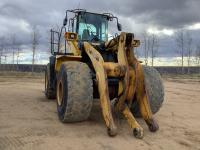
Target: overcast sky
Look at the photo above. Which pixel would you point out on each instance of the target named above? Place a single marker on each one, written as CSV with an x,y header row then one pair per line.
x,y
162,17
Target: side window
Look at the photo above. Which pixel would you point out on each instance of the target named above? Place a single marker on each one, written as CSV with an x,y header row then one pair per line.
x,y
103,32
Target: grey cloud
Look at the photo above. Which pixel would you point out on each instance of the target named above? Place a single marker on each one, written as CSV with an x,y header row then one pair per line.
x,y
135,15
162,13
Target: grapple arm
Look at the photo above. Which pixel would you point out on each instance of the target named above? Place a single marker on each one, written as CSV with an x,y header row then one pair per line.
x,y
129,70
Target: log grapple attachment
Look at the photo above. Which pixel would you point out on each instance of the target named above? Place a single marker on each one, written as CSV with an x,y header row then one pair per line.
x,y
131,83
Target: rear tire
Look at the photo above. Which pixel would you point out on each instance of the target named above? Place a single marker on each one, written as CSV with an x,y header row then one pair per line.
x,y
155,91
50,94
74,92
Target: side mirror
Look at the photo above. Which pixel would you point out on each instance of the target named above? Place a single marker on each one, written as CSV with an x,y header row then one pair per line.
x,y
65,20
119,27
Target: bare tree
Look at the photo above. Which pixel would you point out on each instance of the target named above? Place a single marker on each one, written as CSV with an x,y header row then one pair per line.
x,y
2,47
151,44
197,56
154,47
5,52
13,46
189,41
146,47
35,36
18,47
180,41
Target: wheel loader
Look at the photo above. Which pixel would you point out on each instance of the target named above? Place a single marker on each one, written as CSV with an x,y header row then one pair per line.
x,y
87,64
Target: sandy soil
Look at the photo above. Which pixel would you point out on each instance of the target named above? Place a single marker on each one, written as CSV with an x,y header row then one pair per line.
x,y
29,121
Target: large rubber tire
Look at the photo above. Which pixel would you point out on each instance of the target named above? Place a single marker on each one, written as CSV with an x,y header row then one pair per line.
x,y
74,92
155,91
50,94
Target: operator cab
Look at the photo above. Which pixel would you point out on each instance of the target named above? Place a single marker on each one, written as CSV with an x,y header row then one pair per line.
x,y
82,26
92,27
89,26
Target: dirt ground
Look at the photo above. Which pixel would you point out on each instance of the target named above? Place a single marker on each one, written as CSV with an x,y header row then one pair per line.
x,y
29,121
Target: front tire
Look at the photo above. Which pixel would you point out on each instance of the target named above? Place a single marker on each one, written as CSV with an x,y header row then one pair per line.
x,y
74,92
155,91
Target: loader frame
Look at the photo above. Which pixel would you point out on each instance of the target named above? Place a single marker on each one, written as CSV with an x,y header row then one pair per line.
x,y
127,69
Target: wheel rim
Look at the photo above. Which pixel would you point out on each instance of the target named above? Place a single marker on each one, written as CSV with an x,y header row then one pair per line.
x,y
59,93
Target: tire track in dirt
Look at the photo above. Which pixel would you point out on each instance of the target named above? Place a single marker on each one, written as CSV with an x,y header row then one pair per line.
x,y
27,136
9,142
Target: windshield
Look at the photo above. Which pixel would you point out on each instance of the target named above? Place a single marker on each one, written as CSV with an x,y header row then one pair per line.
x,y
92,27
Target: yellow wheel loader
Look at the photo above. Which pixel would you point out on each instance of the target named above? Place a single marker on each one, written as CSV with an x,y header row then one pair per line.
x,y
85,65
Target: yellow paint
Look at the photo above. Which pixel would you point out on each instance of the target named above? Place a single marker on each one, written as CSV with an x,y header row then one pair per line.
x,y
101,75
63,58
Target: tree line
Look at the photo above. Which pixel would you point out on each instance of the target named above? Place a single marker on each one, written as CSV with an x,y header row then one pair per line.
x,y
185,48
11,46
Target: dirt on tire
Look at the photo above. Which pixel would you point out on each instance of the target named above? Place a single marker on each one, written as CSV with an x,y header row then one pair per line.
x,y
77,92
155,91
